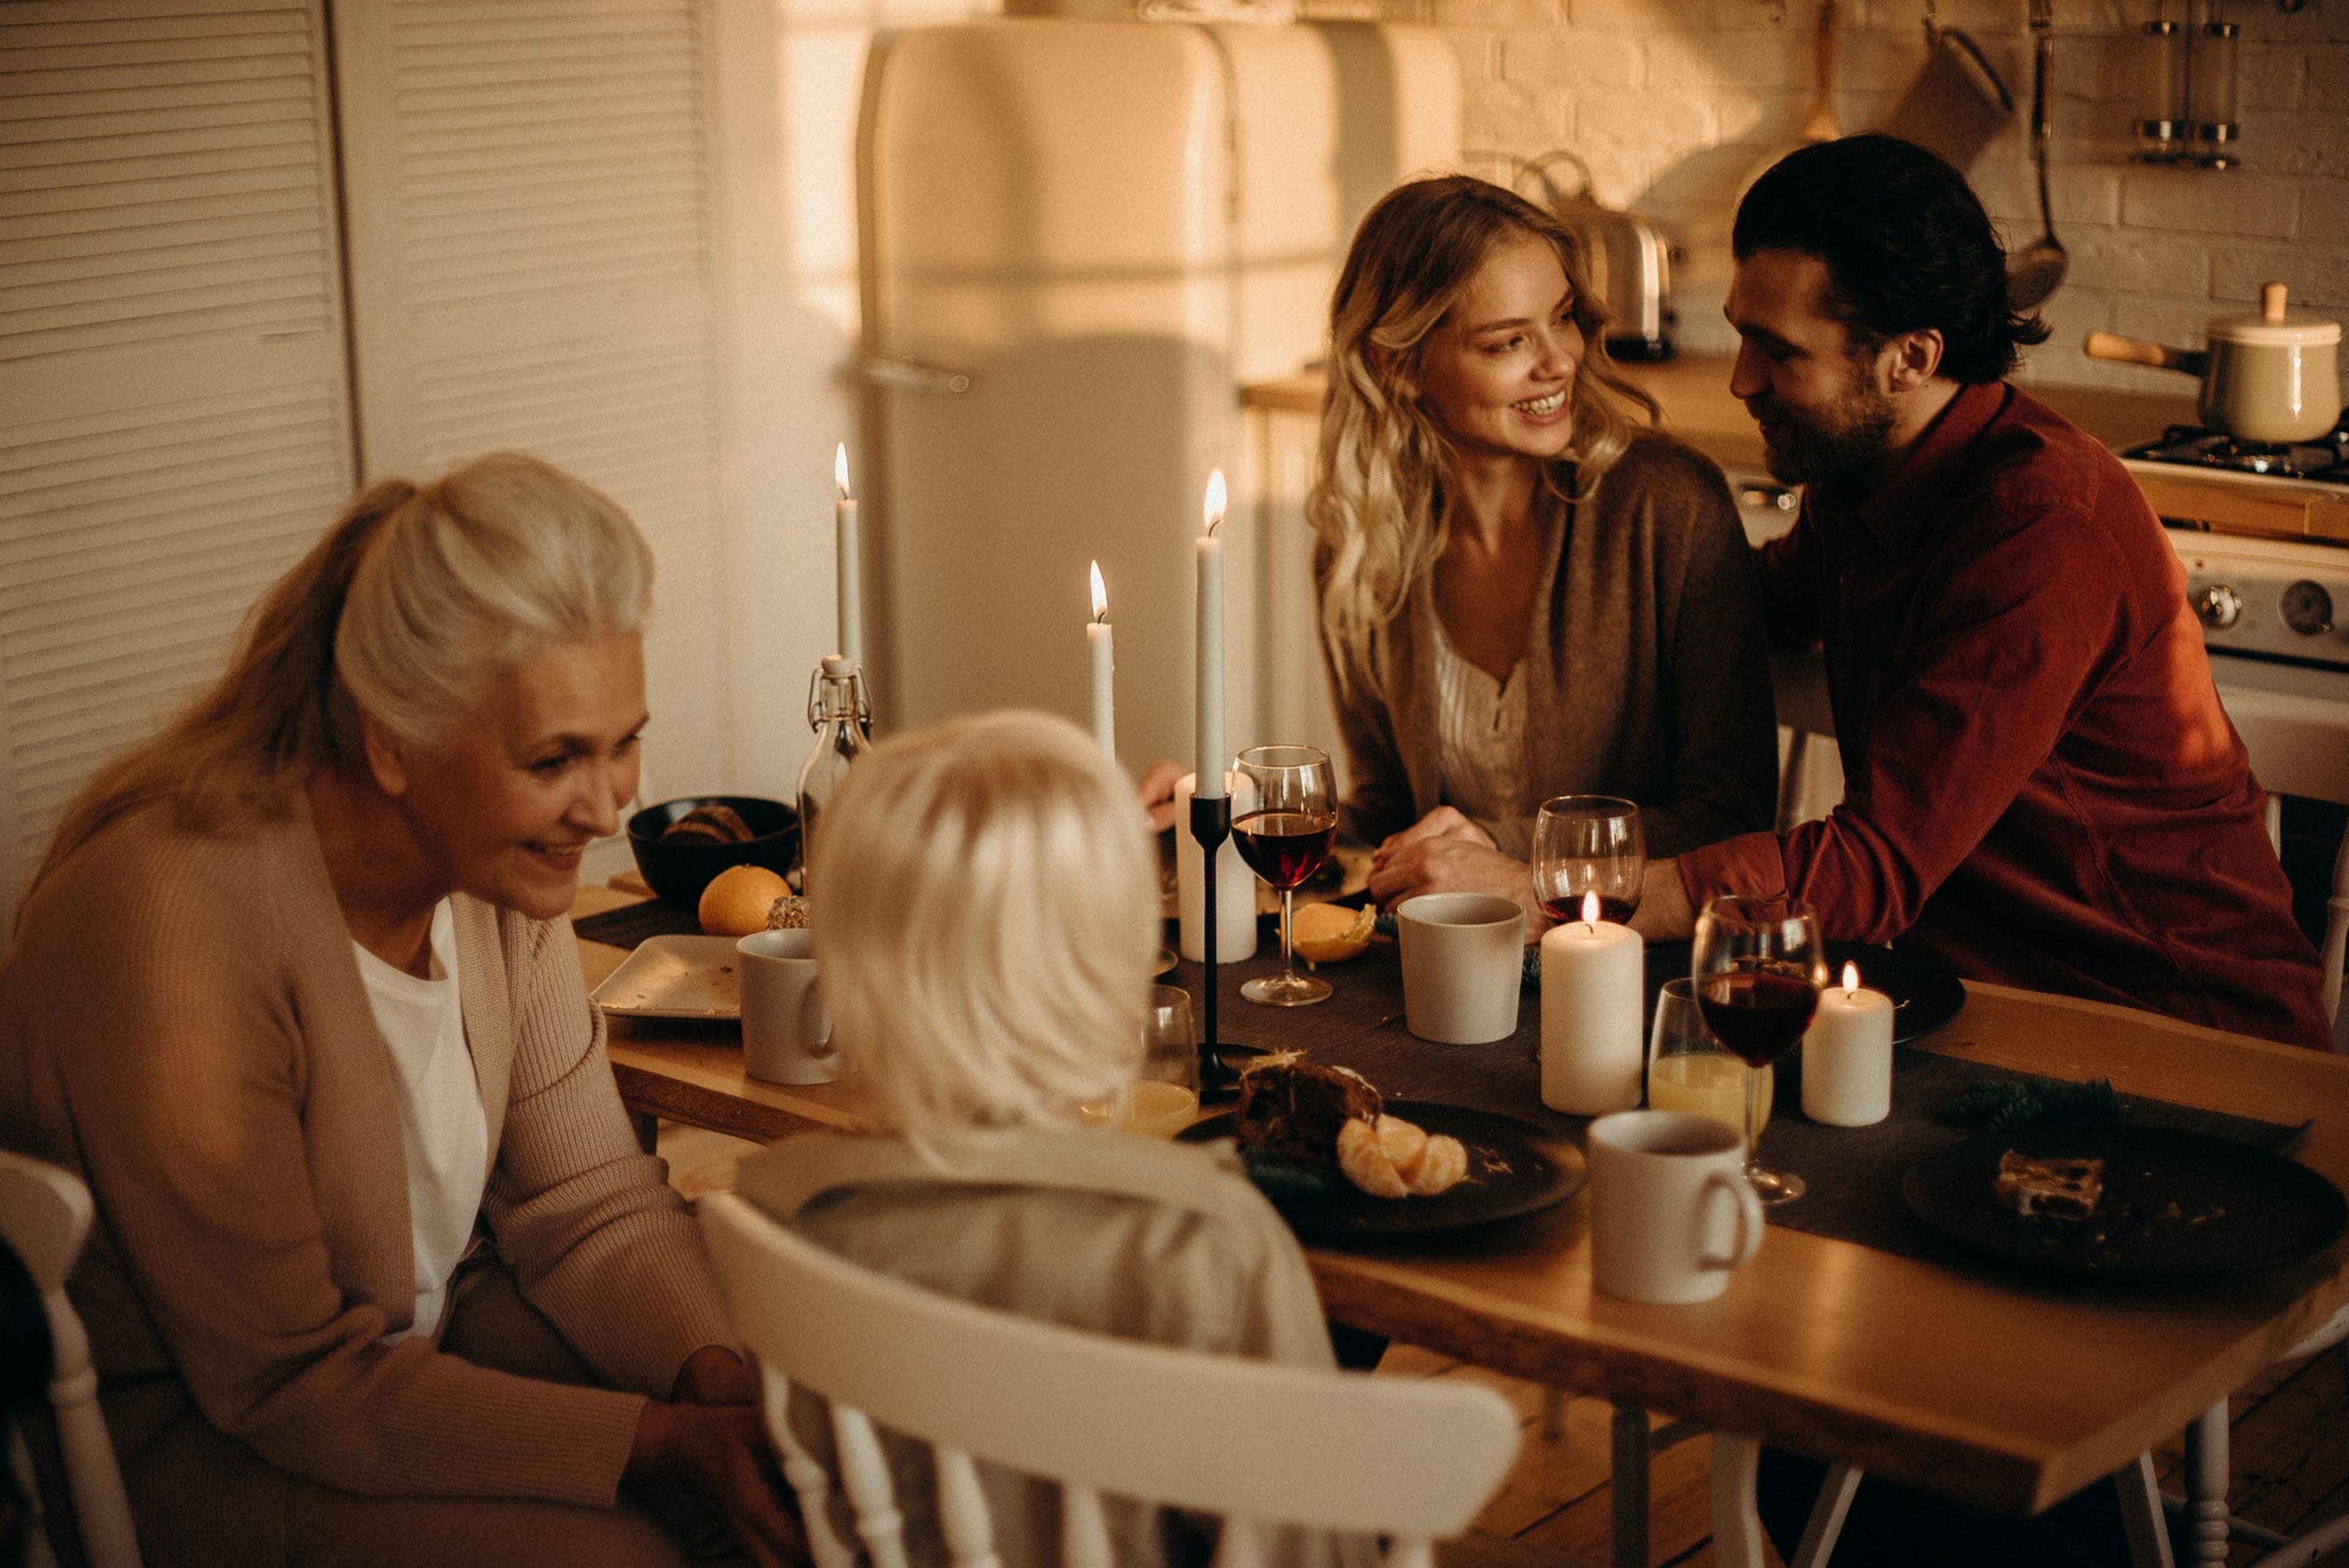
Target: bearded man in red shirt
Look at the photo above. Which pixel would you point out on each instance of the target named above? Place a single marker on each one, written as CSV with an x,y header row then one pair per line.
x,y
2042,787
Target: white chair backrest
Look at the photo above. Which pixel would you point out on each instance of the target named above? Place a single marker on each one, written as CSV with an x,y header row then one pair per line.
x,y
45,1214
1255,1443
2297,748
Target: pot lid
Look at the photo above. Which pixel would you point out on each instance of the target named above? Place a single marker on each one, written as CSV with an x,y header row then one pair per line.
x,y
2274,324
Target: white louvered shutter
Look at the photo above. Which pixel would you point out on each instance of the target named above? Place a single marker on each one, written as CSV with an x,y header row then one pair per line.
x,y
174,413
527,199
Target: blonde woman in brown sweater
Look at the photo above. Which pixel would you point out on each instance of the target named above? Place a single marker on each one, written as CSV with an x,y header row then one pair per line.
x,y
379,1275
1522,594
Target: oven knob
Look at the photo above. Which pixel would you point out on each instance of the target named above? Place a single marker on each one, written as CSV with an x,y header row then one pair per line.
x,y
2217,606
2308,608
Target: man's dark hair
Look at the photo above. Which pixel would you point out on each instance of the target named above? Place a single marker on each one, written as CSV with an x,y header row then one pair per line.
x,y
1907,244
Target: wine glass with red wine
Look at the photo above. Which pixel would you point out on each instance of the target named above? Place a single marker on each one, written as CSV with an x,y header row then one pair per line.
x,y
1757,969
1287,802
1588,844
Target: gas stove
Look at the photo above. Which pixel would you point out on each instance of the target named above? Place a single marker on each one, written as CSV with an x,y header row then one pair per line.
x,y
2264,532
2324,460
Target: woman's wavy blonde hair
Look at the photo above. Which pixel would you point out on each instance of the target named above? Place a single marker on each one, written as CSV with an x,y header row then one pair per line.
x,y
406,608
985,902
1376,504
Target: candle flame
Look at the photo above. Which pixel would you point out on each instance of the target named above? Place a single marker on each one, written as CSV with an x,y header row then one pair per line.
x,y
1101,595
840,468
1850,977
1216,499
1591,910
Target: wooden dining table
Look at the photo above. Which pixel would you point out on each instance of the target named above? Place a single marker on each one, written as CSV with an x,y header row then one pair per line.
x,y
1988,1385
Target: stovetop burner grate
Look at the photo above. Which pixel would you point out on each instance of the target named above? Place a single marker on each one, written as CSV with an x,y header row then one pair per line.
x,y
2324,460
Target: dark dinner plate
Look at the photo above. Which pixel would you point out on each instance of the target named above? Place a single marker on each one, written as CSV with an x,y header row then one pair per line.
x,y
1514,1169
1925,992
2175,1205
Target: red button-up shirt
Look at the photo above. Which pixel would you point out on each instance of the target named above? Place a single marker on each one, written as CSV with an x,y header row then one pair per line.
x,y
2041,785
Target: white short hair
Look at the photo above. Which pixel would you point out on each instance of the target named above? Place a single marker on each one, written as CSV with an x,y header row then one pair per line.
x,y
985,899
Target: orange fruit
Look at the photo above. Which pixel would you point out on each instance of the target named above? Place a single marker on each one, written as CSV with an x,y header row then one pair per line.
x,y
737,899
1330,933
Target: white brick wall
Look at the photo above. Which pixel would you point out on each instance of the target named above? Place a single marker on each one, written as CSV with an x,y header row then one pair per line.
x,y
1673,102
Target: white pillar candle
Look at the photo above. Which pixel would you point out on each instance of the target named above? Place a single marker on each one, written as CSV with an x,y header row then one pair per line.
x,y
1235,889
1847,1055
852,598
1210,760
1103,653
1593,993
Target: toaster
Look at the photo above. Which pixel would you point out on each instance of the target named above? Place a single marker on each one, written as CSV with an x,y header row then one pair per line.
x,y
1630,265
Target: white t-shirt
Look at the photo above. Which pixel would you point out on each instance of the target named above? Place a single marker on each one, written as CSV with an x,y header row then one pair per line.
x,y
441,1124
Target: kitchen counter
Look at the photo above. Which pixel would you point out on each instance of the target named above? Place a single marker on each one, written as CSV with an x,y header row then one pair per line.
x,y
1693,390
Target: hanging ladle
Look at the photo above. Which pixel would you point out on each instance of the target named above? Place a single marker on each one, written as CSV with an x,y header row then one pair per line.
x,y
2035,272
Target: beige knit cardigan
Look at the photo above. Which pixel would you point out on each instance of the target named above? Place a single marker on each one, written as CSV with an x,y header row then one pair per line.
x,y
1647,671
183,1024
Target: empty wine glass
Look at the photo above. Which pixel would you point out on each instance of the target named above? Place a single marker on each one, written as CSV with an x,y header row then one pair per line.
x,y
1757,967
1286,817
1585,844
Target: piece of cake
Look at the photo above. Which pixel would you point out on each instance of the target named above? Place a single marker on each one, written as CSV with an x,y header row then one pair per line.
x,y
1293,1107
710,825
2060,1189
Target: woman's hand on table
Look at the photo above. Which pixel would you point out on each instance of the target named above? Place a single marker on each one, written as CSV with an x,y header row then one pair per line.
x,y
711,1439
1444,851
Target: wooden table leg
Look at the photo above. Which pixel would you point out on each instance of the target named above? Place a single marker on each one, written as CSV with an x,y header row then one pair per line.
x,y
1736,1517
1628,1501
2141,1520
1819,1532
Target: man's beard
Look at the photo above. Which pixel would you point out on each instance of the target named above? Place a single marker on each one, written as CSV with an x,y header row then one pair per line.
x,y
1852,436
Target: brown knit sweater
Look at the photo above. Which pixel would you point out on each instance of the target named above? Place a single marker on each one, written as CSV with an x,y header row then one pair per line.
x,y
183,1023
1647,674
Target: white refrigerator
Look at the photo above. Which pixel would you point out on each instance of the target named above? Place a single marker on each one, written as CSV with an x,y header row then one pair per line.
x,y
1078,238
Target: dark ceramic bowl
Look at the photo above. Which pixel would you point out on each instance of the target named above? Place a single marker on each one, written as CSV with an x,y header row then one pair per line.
x,y
678,869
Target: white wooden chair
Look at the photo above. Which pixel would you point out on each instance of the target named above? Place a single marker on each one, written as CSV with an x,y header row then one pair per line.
x,y
45,1214
1257,1444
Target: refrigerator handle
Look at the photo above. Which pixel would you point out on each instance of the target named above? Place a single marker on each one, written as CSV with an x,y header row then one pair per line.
x,y
913,375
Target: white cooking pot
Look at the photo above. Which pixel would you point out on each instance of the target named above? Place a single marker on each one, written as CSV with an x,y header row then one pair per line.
x,y
2266,378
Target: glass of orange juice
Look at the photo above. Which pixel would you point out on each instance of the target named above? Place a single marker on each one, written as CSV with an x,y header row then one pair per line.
x,y
1163,1097
1689,1069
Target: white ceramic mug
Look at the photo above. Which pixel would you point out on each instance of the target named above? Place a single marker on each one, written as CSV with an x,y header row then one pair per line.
x,y
786,1032
1462,965
1670,1210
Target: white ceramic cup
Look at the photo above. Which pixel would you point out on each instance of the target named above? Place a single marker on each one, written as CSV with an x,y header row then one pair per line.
x,y
786,1032
1670,1210
1463,963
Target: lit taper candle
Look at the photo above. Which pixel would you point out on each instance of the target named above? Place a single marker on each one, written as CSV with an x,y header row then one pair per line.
x,y
1211,758
851,599
1104,665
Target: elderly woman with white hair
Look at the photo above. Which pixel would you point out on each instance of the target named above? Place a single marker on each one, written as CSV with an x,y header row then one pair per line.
x,y
379,1275
986,914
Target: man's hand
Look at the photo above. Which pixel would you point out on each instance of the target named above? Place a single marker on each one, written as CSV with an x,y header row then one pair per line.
x,y
1157,791
1664,913
1443,822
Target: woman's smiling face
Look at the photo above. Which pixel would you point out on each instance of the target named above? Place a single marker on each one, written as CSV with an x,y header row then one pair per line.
x,y
1497,373
504,801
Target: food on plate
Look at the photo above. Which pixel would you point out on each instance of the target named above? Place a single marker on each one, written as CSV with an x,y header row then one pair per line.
x,y
1330,933
737,899
1392,1157
789,912
1293,1107
710,825
1325,1115
2059,1188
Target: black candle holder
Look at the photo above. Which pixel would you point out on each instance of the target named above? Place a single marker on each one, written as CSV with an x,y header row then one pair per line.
x,y
1211,824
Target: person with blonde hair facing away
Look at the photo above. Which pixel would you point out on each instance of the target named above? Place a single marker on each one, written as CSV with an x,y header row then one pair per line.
x,y
379,1275
1522,592
985,914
